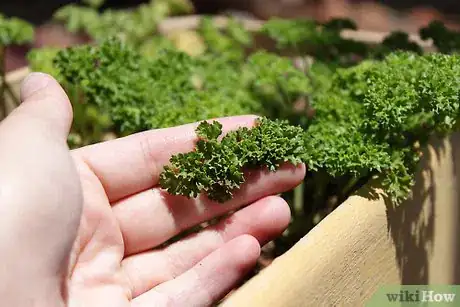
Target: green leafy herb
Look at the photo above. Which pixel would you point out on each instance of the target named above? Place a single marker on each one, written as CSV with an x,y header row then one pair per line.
x,y
143,93
15,31
131,25
350,111
445,40
228,42
398,40
322,41
216,168
42,60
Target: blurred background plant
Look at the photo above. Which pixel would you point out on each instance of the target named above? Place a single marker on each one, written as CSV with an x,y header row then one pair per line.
x,y
136,26
13,31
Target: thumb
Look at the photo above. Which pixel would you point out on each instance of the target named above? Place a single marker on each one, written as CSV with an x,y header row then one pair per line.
x,y
45,106
40,192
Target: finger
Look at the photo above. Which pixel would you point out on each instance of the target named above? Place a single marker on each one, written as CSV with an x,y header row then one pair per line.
x,y
39,189
133,164
209,280
152,217
264,220
45,108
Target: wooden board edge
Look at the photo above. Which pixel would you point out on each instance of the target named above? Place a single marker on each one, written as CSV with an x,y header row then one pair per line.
x,y
15,77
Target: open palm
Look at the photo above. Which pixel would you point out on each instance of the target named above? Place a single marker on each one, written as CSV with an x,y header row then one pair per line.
x,y
107,220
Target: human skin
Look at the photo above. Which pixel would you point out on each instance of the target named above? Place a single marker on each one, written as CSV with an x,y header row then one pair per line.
x,y
84,227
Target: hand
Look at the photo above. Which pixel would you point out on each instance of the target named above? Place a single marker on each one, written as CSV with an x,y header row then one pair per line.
x,y
87,227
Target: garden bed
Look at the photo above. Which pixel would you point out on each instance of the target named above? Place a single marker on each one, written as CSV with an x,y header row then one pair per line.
x,y
364,243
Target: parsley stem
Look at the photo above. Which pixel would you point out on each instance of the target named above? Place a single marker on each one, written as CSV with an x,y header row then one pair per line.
x,y
299,200
3,82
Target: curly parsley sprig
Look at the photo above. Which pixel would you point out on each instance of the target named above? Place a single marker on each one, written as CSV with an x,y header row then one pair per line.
x,y
216,167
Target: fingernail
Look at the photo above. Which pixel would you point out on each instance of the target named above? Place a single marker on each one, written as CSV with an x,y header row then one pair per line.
x,y
33,83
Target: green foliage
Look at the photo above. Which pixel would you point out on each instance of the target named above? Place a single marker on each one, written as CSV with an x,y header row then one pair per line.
x,y
411,95
334,142
178,7
215,40
238,32
154,45
132,25
348,110
15,31
230,41
322,41
290,33
410,98
445,40
90,122
273,70
278,85
367,123
216,167
398,40
208,131
42,60
142,93
339,24
358,121
382,109
77,18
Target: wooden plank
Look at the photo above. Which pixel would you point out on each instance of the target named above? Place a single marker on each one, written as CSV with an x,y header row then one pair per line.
x,y
17,75
14,79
